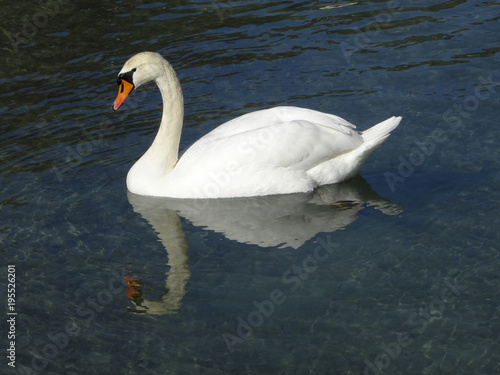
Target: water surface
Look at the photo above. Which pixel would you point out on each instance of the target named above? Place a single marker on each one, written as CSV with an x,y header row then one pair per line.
x,y
394,272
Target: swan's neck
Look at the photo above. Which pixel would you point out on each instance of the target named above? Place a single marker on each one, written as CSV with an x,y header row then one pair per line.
x,y
164,152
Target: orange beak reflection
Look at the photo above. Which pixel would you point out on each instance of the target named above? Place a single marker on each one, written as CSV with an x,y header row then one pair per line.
x,y
123,91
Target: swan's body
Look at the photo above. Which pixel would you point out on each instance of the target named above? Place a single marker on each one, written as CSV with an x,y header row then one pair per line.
x,y
273,151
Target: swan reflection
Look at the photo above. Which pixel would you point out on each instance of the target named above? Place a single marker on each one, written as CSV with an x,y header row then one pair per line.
x,y
268,221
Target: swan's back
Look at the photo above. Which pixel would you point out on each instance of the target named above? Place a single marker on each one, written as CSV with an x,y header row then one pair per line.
x,y
272,116
282,137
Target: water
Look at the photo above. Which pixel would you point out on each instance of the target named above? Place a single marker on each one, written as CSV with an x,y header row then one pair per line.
x,y
401,276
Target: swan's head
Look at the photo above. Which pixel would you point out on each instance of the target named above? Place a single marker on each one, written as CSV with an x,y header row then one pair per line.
x,y
139,69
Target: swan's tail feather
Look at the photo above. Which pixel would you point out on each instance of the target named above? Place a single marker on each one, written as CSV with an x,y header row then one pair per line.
x,y
347,165
374,136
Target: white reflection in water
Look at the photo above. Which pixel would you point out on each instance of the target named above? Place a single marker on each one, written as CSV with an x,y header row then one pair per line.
x,y
270,221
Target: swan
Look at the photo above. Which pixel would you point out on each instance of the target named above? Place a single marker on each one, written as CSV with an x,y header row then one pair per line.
x,y
280,150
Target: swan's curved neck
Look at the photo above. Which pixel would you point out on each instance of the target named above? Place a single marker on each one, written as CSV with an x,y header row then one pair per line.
x,y
164,152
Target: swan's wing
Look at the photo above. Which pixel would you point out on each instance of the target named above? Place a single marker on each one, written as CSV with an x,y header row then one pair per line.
x,y
264,152
283,137
268,117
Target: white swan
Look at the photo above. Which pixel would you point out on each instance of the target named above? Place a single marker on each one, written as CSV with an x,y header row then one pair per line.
x,y
272,151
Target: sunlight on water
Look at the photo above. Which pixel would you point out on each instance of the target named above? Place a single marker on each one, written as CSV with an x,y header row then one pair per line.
x,y
394,272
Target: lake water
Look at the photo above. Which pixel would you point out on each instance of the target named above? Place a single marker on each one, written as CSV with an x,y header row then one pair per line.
x,y
395,272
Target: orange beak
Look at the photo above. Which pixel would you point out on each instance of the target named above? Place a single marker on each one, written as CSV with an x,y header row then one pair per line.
x,y
123,91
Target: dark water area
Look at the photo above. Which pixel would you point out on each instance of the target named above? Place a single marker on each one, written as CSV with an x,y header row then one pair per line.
x,y
394,272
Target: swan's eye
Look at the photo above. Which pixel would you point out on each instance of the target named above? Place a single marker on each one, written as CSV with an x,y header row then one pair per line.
x,y
126,77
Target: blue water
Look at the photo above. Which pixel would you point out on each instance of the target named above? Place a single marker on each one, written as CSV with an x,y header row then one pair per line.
x,y
395,272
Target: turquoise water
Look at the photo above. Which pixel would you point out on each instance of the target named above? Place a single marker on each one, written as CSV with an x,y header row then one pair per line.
x,y
395,272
